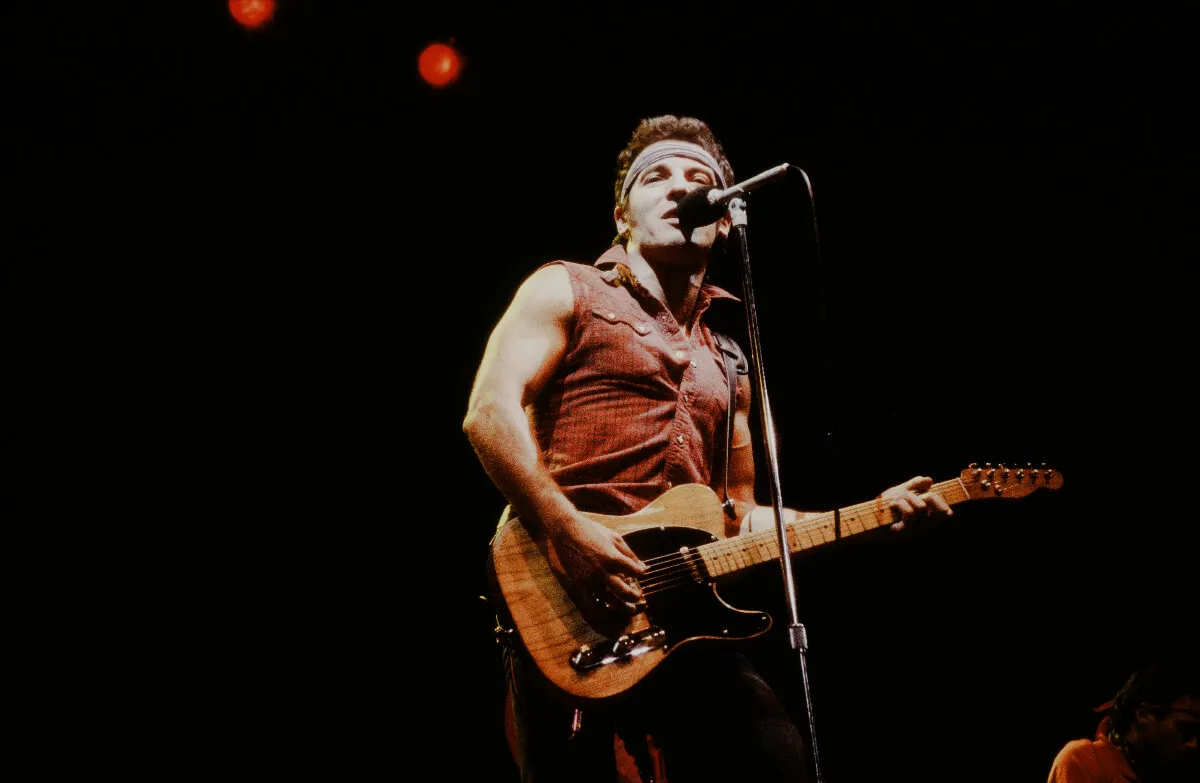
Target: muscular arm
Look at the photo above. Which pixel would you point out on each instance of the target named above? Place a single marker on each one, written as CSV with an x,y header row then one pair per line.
x,y
522,354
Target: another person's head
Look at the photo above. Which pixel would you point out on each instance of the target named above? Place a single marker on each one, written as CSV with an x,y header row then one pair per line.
x,y
1154,717
666,156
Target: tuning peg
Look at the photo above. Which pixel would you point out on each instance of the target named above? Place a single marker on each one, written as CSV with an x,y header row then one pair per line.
x,y
999,490
1020,474
986,486
972,466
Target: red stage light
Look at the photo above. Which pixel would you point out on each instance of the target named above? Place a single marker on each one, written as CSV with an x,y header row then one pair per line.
x,y
252,13
439,64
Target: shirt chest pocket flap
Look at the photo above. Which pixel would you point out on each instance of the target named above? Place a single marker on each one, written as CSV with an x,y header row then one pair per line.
x,y
629,345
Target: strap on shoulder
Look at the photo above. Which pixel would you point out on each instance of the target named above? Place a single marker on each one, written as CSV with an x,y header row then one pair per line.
x,y
729,347
735,365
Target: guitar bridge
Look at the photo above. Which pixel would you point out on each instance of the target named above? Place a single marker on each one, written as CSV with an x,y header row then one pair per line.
x,y
624,648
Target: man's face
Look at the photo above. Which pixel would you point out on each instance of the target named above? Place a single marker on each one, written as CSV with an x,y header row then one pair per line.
x,y
1168,738
649,213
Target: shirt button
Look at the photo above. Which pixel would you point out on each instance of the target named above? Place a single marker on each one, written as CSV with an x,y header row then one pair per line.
x,y
612,315
681,355
685,397
669,485
679,438
694,363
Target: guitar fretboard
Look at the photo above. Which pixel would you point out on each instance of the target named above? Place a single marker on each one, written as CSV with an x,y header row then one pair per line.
x,y
744,551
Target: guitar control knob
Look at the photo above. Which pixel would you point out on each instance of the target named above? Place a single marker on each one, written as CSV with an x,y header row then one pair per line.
x,y
1020,474
999,490
986,485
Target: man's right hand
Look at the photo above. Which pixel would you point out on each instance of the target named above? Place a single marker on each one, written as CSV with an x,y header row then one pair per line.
x,y
598,563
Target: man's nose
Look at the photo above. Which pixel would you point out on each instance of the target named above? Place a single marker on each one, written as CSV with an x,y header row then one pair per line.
x,y
681,185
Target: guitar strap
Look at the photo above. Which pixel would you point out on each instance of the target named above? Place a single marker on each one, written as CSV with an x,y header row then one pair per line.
x,y
735,364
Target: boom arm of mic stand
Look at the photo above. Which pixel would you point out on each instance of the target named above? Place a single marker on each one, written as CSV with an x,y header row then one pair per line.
x,y
742,188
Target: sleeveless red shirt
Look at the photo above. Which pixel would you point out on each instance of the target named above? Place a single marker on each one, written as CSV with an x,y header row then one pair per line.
x,y
636,407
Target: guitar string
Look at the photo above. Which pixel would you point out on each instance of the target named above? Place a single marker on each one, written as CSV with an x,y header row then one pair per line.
x,y
668,575
676,569
820,520
822,523
683,566
671,564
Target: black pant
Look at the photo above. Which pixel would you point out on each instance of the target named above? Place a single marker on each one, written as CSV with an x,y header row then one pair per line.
x,y
710,712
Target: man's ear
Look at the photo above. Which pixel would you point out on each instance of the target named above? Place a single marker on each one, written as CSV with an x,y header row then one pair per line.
x,y
1143,715
619,219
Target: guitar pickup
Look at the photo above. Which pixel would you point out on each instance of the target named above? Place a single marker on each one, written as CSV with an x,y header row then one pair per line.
x,y
625,647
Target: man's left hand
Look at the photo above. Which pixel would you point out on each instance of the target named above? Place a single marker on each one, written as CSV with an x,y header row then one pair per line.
x,y
912,499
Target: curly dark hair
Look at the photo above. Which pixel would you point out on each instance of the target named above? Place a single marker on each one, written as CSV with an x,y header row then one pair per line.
x,y
1157,686
667,126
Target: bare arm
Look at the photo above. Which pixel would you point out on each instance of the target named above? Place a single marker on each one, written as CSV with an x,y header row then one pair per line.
x,y
907,500
750,516
524,350
522,353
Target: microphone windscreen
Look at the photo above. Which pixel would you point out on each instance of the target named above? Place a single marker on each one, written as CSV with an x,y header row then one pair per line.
x,y
694,210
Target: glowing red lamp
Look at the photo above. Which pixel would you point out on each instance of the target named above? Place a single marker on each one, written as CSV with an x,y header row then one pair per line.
x,y
439,64
252,14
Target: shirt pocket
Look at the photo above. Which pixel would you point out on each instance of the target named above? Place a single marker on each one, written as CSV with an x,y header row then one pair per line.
x,y
626,344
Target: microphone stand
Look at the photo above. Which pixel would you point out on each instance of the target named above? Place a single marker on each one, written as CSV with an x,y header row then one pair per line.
x,y
797,635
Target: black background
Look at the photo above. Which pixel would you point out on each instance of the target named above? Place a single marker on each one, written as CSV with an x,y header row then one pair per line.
x,y
287,253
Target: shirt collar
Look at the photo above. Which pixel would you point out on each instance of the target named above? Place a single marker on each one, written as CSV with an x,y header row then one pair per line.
x,y
617,272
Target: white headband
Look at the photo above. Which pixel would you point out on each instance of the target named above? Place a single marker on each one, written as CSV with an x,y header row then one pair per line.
x,y
662,150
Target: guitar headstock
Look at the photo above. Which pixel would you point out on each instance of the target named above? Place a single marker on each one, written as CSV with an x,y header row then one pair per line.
x,y
1008,481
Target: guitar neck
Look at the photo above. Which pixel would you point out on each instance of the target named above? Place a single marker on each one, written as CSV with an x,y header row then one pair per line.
x,y
814,530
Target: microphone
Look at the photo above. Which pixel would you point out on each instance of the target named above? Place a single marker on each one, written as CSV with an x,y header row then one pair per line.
x,y
706,205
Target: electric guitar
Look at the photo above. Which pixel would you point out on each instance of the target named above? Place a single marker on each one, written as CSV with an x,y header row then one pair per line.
x,y
591,653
